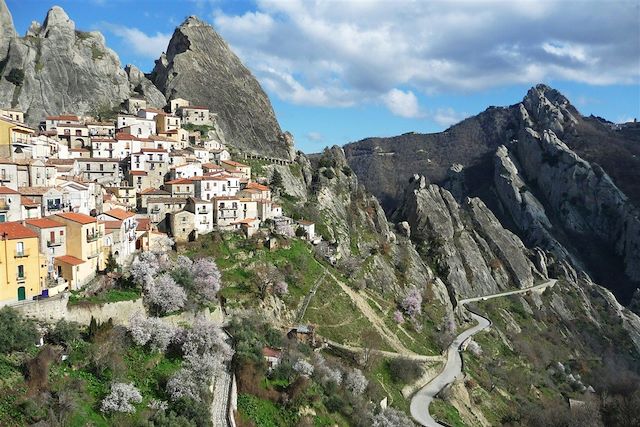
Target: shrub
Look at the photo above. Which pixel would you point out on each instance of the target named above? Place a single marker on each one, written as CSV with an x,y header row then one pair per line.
x,y
391,417
404,370
16,332
121,398
64,333
276,179
329,173
281,288
16,76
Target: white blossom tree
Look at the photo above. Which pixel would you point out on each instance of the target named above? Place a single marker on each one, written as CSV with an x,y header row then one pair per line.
x,y
281,288
164,294
303,367
144,267
121,398
356,382
206,337
193,379
391,417
153,331
206,278
325,373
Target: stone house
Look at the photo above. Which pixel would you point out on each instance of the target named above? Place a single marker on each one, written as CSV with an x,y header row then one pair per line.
x,y
122,226
75,135
134,103
228,210
103,170
8,173
51,123
12,114
203,214
10,205
230,165
149,193
195,115
158,208
182,187
177,103
51,199
139,180
182,226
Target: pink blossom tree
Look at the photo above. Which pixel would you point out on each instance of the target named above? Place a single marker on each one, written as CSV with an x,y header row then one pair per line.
x,y
412,302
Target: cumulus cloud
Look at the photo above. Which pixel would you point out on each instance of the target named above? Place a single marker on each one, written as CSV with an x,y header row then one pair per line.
x,y
315,136
145,45
402,104
447,116
343,53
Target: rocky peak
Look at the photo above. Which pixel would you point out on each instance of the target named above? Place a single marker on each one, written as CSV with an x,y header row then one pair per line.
x,y
65,70
7,30
550,109
200,66
57,23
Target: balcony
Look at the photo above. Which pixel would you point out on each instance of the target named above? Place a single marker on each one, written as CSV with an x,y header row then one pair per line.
x,y
155,210
92,237
21,254
93,255
21,278
55,242
4,206
6,177
203,211
54,207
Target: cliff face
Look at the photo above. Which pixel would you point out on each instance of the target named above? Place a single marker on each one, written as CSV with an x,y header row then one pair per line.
x,y
200,66
475,253
56,69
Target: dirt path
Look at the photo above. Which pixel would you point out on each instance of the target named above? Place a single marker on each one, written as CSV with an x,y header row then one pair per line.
x,y
377,323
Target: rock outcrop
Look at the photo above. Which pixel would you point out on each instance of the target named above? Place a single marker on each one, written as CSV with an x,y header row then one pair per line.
x,y
480,257
7,30
200,66
57,69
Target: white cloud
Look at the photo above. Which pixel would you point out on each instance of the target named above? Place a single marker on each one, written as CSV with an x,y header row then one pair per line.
x,y
447,116
402,104
341,53
315,136
147,46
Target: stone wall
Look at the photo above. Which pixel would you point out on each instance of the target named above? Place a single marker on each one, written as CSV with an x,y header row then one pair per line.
x,y
56,308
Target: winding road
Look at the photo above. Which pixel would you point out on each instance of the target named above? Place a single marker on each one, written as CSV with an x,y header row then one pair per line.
x,y
423,398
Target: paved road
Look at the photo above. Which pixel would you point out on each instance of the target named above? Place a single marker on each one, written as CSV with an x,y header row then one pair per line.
x,y
423,398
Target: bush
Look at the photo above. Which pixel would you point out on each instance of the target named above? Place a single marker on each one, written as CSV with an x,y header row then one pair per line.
x,y
356,382
16,332
64,333
329,173
16,76
404,370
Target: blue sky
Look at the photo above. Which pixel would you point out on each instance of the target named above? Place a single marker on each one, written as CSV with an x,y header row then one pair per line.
x,y
340,71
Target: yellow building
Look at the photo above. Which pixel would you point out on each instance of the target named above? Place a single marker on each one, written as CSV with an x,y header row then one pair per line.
x,y
20,267
11,132
84,257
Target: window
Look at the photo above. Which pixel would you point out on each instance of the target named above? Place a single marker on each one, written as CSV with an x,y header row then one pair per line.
x,y
101,167
88,166
21,271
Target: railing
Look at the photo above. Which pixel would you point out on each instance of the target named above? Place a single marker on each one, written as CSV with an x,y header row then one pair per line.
x,y
6,177
155,210
21,278
93,236
54,207
93,255
55,242
4,206
203,211
21,254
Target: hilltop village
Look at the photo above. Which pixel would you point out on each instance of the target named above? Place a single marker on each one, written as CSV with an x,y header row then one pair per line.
x,y
80,192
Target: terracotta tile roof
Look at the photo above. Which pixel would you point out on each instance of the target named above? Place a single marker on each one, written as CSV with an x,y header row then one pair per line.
x,y
69,259
63,117
246,221
77,217
7,190
27,202
304,222
152,110
44,223
153,150
271,352
119,214
195,107
234,163
180,181
110,225
256,186
155,191
141,173
35,191
15,230
144,224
